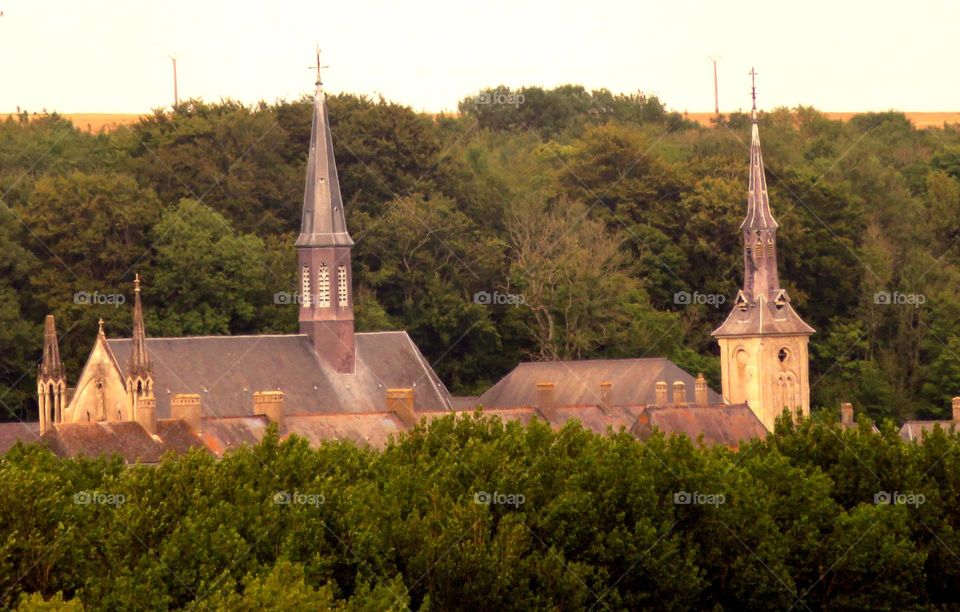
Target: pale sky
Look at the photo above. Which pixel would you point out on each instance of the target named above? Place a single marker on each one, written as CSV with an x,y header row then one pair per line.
x,y
113,56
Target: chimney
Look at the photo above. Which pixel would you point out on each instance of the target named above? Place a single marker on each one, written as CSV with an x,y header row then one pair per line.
x,y
700,390
186,406
606,392
270,405
147,413
846,414
545,394
400,403
661,393
679,393
956,410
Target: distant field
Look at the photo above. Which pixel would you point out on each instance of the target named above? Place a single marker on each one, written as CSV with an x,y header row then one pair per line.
x,y
94,122
920,120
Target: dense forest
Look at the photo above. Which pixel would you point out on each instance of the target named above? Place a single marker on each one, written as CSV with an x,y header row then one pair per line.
x,y
598,209
472,514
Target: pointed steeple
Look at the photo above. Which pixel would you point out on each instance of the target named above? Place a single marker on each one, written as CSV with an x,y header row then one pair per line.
x,y
758,203
139,361
51,366
323,223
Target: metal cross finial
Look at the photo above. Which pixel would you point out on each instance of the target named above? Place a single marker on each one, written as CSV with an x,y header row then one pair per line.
x,y
136,282
100,323
753,87
319,80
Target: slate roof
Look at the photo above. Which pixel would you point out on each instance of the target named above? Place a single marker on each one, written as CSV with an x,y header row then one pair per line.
x,y
578,382
912,431
226,371
763,317
11,433
725,424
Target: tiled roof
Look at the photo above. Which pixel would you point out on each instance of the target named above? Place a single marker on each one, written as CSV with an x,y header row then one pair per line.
x,y
726,424
11,433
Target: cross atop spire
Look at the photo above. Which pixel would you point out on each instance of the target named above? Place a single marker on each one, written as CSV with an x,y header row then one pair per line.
x,y
753,93
319,82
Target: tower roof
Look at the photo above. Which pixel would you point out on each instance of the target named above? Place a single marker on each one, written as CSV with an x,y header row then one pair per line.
x,y
51,366
323,223
758,204
139,361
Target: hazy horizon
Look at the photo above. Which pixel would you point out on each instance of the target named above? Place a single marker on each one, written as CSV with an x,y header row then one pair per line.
x,y
857,57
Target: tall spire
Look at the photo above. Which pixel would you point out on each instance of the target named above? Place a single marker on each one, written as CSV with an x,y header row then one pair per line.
x,y
758,203
139,361
51,366
323,222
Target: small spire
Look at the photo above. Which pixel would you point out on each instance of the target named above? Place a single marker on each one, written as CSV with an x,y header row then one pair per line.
x,y
51,366
753,94
139,362
100,332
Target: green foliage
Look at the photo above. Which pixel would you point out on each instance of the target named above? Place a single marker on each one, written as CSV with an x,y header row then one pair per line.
x,y
470,512
204,203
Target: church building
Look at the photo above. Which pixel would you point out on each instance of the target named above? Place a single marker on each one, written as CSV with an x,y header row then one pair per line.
x,y
141,397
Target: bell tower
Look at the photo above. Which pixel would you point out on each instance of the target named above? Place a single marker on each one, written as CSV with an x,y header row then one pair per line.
x,y
764,358
323,251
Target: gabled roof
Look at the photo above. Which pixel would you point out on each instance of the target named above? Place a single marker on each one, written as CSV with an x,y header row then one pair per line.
x,y
725,424
763,317
633,382
912,431
227,370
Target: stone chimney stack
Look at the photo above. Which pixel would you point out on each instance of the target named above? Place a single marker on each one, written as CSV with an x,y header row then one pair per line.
x,y
679,393
956,409
147,413
846,414
661,393
606,393
186,406
400,403
270,405
545,394
700,390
